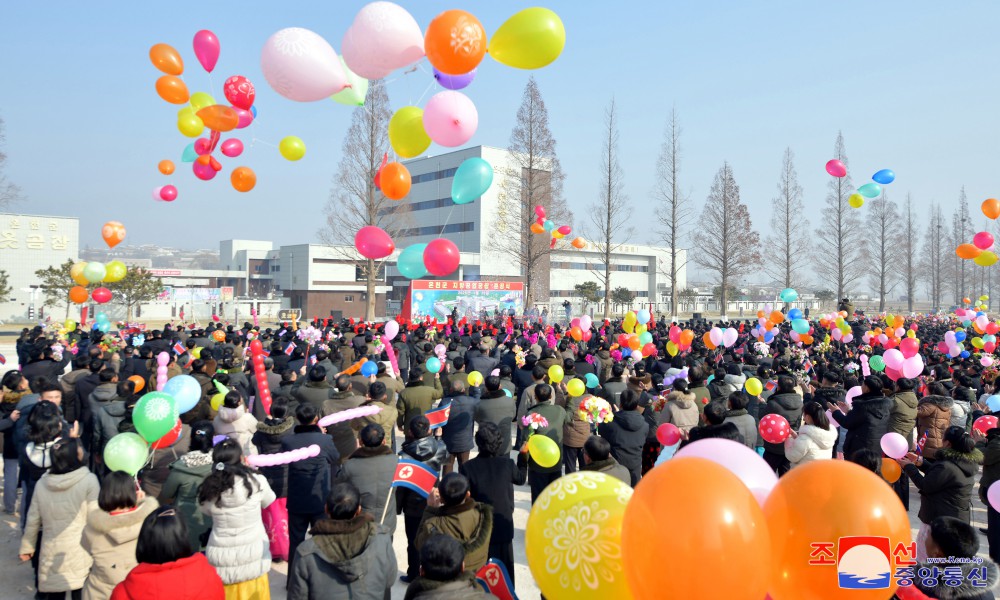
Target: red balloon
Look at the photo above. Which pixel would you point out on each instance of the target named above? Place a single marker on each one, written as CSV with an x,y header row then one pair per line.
x,y
989,347
649,349
892,374
170,438
441,257
239,91
774,428
668,434
101,295
168,193
372,242
909,347
256,347
985,423
202,146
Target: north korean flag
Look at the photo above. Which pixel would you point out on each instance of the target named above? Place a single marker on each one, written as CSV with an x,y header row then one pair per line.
x,y
179,348
494,579
770,385
312,359
290,348
438,417
415,475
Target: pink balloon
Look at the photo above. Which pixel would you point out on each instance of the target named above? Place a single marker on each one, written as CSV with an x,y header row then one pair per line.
x,y
894,445
893,358
836,168
300,65
206,49
668,434
232,147
739,460
983,240
909,347
391,329
993,495
450,118
156,193
829,417
203,172
168,193
244,118
852,393
239,91
715,336
382,38
373,242
729,337
913,366
202,146
441,257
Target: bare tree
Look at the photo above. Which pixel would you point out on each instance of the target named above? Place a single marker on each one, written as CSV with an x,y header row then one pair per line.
x,y
932,257
533,177
609,216
839,240
725,220
9,193
674,212
789,228
963,234
908,247
354,201
883,248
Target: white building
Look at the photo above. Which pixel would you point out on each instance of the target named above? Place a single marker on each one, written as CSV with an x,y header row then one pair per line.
x,y
29,243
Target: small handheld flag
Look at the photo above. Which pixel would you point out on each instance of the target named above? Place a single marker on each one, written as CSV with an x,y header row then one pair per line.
x,y
416,476
312,359
290,348
493,578
179,348
3,359
438,417
921,443
770,385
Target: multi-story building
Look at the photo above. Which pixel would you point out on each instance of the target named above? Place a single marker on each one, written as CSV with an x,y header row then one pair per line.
x,y
29,243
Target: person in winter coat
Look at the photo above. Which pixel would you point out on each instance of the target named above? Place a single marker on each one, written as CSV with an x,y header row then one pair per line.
x,y
103,395
696,385
945,483
417,398
185,477
431,451
903,417
679,408
615,384
867,420
168,567
540,477
457,432
106,419
786,403
268,440
371,469
235,422
492,476
498,408
964,396
575,431
316,390
9,415
59,513
738,416
343,398
234,495
348,557
45,427
451,510
598,459
443,575
385,418
955,543
933,418
113,525
989,444
814,440
626,434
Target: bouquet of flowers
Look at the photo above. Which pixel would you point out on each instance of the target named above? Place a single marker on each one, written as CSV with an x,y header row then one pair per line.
x,y
519,356
822,347
310,335
111,343
57,351
852,367
534,421
595,410
761,349
659,403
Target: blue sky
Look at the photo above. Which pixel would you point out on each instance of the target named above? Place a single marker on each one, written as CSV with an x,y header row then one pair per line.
x,y
913,86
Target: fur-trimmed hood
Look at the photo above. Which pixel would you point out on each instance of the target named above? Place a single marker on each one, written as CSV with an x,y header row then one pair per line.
x,y
942,402
683,400
968,462
736,381
342,544
464,586
274,426
121,527
231,415
965,590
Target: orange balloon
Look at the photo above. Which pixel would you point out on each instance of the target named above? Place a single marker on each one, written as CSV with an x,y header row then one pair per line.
x,y
395,181
536,228
633,342
806,338
166,59
687,336
777,317
721,520
991,208
707,338
172,89
138,381
844,500
760,314
891,470
897,321
78,294
966,301
219,117
219,335
578,243
204,159
455,42
243,179
166,167
967,251
113,233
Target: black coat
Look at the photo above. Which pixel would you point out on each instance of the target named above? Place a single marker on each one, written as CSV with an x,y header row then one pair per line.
x,y
268,438
309,479
430,451
47,368
866,423
627,435
457,432
491,481
788,406
945,484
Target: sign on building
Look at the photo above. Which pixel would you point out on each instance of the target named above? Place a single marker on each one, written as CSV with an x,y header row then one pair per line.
x,y
470,299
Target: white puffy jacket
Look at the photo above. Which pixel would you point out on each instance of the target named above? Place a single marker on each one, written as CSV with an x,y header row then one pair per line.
x,y
238,544
813,443
237,424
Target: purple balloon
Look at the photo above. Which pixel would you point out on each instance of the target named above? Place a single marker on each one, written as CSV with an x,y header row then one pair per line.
x,y
454,82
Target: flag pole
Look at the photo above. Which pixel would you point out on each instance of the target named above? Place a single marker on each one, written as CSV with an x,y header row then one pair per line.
x,y
385,509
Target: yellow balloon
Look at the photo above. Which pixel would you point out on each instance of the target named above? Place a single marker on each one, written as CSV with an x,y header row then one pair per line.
x,y
406,132
986,258
190,126
115,271
530,39
76,272
292,147
196,352
475,379
984,298
544,451
671,348
556,374
200,100
70,325
573,537
911,334
217,401
641,328
576,387
754,387
856,200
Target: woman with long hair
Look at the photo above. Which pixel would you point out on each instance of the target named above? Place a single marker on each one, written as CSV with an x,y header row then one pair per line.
x,y
814,440
233,495
186,475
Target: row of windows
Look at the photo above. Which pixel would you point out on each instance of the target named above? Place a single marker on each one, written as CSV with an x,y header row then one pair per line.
x,y
425,177
437,229
574,294
415,206
600,267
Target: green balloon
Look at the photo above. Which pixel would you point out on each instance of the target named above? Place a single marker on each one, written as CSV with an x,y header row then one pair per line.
x,y
870,190
645,338
411,261
877,363
788,295
94,272
126,452
355,94
801,326
155,414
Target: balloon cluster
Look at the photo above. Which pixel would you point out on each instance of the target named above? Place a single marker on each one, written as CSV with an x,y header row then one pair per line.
x,y
101,323
558,232
982,250
579,328
867,191
637,339
85,274
836,323
716,337
260,374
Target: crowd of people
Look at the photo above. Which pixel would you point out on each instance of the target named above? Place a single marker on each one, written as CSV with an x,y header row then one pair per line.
x,y
199,520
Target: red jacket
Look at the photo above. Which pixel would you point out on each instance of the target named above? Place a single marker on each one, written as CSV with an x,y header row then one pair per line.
x,y
190,578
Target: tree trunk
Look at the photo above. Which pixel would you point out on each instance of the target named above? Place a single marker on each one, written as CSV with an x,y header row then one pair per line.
x,y
722,294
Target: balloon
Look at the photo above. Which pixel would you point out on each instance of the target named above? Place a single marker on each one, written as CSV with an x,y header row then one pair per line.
x,y
729,337
391,329
984,423
739,460
877,363
800,326
993,403
991,208
190,126
536,228
836,168
139,382
369,368
774,428
893,358
579,243
168,193
894,445
355,92
642,316
891,470
172,89
454,82
450,118
395,181
411,261
113,232
986,259
870,190
455,42
913,366
475,379
433,365
543,450
232,148
909,347
382,38
185,390
556,374
406,132
116,271
166,167
856,200
206,49
300,65
203,171
565,562
239,91
668,434
753,386
844,500
531,39
94,272
788,295
219,117
166,59
76,273
216,401
967,251
471,180
170,438
154,415
884,176
714,500
292,148
243,179
101,295
576,387
372,242
592,380
126,452
78,294
441,257
244,118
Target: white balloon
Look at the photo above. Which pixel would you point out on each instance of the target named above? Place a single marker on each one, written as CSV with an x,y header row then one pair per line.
x,y
382,38
300,65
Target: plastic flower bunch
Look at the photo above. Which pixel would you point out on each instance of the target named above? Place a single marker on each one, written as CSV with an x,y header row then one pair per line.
x,y
534,421
596,410
310,335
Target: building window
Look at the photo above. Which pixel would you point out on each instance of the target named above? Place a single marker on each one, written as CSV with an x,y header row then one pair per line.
x,y
329,261
348,298
424,177
437,229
